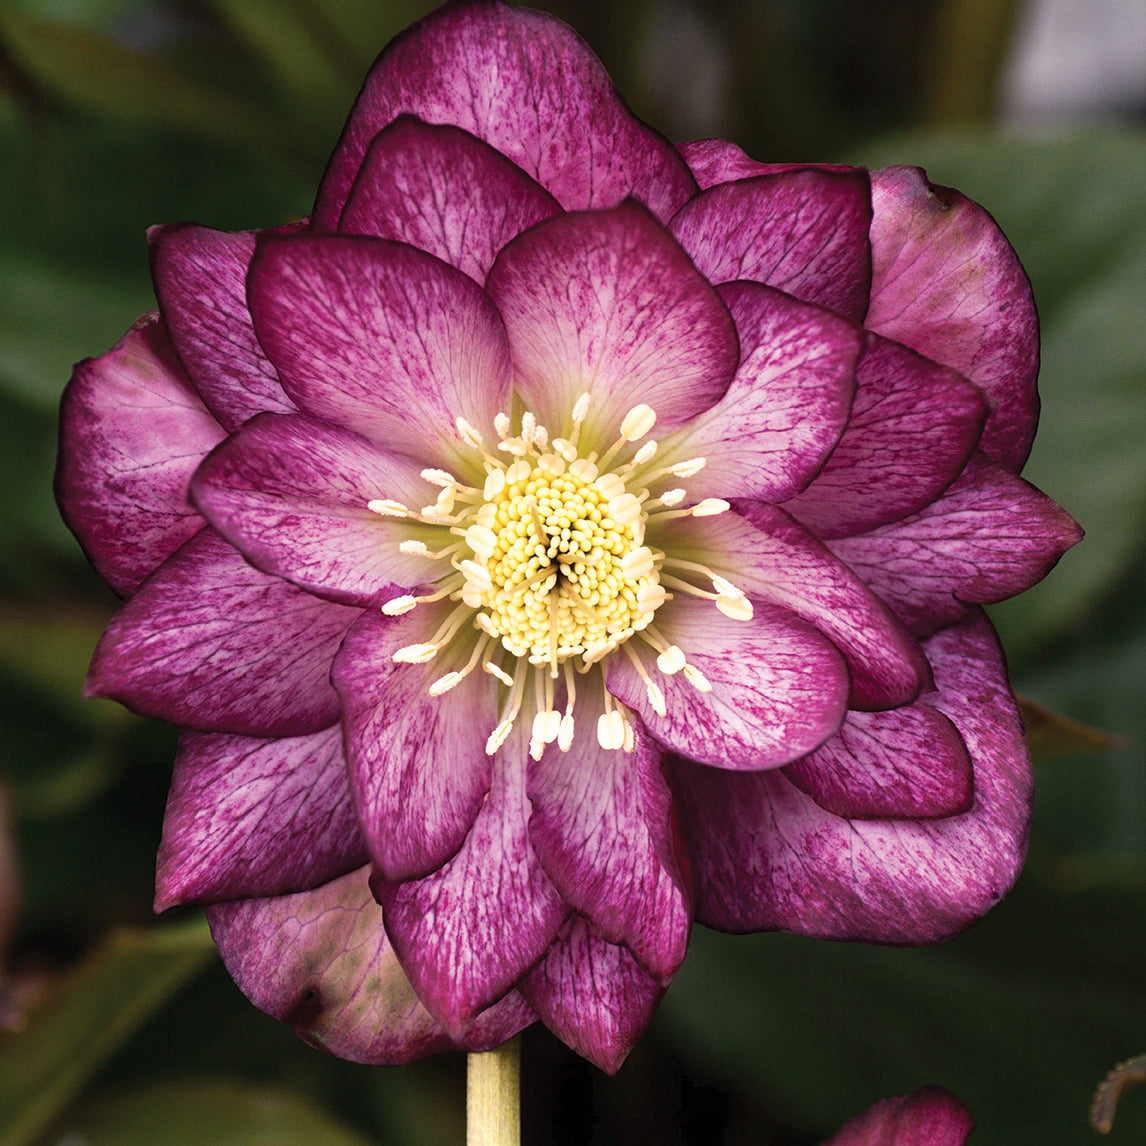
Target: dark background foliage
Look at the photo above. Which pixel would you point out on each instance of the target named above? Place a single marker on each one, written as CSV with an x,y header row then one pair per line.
x,y
115,114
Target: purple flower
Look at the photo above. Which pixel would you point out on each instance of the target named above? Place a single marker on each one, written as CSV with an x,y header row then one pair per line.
x,y
929,1117
561,537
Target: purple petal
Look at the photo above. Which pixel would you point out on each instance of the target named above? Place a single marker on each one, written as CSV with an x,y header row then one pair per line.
x,y
929,1117
788,402
715,161
291,493
946,282
779,688
769,858
593,995
603,827
201,283
468,933
768,556
606,302
380,338
913,426
211,643
444,191
132,431
320,961
249,817
910,763
418,764
530,87
990,536
802,231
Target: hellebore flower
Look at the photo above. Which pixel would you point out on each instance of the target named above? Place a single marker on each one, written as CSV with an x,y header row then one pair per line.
x,y
558,537
929,1117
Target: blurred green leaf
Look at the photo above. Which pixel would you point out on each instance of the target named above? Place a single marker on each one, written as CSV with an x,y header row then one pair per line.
x,y
1052,734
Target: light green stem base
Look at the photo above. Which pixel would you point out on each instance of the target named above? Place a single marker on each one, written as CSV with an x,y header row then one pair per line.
x,y
493,1096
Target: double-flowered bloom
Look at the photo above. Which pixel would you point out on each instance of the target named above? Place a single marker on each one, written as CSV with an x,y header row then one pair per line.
x,y
559,537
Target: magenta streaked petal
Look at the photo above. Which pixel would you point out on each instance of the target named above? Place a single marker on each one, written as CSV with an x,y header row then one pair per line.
x,y
929,1117
529,86
909,763
772,558
418,764
713,161
251,817
211,643
603,828
769,858
607,303
779,687
132,431
913,426
201,283
593,995
803,231
946,282
467,933
380,338
444,191
990,536
291,493
320,960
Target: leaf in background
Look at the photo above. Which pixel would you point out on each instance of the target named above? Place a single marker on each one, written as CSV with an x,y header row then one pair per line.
x,y
1052,734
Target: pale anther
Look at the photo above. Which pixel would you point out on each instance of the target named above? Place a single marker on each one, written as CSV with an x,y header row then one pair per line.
x,y
565,733
414,548
414,654
637,563
494,484
645,454
611,730
498,737
501,424
710,507
725,588
738,608
687,469
439,477
671,660
445,683
696,678
386,508
581,408
396,606
638,422
467,433
610,486
518,471
625,509
584,469
672,497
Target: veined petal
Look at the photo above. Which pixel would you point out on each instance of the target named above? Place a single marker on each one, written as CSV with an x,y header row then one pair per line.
x,y
251,817
201,283
913,426
804,231
946,282
529,86
320,960
769,858
713,161
779,687
418,764
607,303
132,431
929,1117
990,536
380,338
909,763
444,191
208,642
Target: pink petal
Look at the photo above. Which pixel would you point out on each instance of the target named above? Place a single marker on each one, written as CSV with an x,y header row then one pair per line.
x,y
442,190
990,536
929,1117
603,827
320,961
418,764
248,817
607,303
201,283
291,493
769,858
788,402
211,643
910,763
913,426
802,231
714,161
946,282
531,88
593,995
132,431
380,338
470,931
779,688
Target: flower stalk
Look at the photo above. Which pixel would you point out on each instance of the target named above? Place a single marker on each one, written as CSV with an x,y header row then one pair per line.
x,y
493,1096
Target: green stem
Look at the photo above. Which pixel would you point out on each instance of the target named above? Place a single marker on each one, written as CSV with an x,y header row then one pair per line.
x,y
493,1096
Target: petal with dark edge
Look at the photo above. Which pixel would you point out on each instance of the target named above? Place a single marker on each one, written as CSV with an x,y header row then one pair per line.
x,y
607,303
210,643
132,431
713,161
529,86
769,858
250,817
946,282
802,231
320,960
418,765
929,1117
444,191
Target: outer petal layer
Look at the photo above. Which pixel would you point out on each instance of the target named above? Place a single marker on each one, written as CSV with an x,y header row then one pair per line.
x,y
713,161
929,1117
